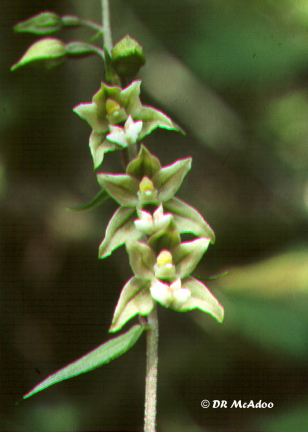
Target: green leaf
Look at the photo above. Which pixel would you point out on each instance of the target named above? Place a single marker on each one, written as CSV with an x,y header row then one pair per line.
x,y
99,199
44,23
201,298
188,219
98,357
48,51
169,179
141,258
120,229
122,187
135,299
187,255
144,165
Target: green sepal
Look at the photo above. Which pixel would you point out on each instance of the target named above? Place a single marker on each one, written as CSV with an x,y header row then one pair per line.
x,y
188,219
168,179
120,229
201,298
45,23
141,258
145,164
153,118
127,57
99,199
187,255
94,359
95,112
110,73
135,299
48,51
167,238
99,145
122,187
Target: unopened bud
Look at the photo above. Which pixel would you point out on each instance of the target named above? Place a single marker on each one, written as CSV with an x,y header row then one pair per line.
x,y
127,57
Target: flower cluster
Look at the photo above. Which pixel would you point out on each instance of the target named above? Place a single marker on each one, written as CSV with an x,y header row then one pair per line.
x,y
150,219
118,119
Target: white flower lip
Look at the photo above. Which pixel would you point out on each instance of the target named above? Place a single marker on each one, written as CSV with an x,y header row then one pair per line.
x,y
149,224
169,295
127,135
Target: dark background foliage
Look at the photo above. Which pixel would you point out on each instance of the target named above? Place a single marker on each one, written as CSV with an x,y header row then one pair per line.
x,y
233,74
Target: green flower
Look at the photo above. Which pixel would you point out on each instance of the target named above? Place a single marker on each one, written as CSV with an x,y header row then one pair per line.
x,y
135,188
165,279
145,182
111,106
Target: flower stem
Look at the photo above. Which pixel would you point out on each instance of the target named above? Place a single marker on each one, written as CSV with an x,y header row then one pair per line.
x,y
151,373
106,25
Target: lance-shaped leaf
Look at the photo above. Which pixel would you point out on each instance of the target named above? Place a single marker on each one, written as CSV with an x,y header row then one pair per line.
x,y
168,179
188,219
98,357
50,52
120,229
187,255
122,187
201,298
141,258
145,164
135,299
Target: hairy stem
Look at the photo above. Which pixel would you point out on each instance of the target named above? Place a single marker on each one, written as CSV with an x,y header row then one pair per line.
x,y
151,373
106,25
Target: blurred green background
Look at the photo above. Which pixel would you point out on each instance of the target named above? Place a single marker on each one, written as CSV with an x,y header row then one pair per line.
x,y
234,75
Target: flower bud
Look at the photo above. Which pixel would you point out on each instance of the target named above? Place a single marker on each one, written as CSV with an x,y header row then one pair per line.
x,y
127,57
44,23
49,52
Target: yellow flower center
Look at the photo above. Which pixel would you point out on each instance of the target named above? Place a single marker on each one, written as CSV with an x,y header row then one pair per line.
x,y
112,106
164,258
146,186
